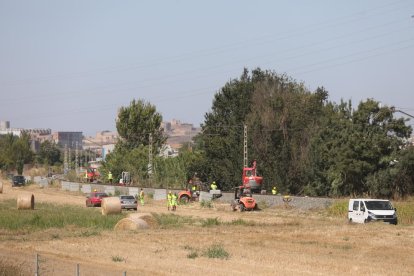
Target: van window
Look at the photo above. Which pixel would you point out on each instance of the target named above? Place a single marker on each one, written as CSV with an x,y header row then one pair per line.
x,y
378,205
356,206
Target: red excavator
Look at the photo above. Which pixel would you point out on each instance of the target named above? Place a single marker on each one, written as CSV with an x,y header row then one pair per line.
x,y
251,180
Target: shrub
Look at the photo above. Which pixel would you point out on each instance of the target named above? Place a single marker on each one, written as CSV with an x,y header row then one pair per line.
x,y
210,222
216,251
118,259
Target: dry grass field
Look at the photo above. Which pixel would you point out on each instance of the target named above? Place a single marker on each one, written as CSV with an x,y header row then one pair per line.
x,y
207,241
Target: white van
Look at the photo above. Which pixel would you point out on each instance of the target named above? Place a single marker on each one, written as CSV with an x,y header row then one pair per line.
x,y
364,210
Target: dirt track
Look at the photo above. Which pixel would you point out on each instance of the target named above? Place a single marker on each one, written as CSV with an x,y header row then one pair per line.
x,y
286,242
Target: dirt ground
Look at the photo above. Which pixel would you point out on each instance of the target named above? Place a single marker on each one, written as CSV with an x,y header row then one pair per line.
x,y
281,242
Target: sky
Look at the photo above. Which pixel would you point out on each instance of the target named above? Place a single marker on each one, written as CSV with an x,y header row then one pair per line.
x,y
70,65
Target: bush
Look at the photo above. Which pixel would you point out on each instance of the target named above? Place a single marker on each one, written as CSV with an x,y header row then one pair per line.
x,y
216,251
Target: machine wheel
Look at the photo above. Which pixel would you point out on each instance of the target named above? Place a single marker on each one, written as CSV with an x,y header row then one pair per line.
x,y
241,207
184,199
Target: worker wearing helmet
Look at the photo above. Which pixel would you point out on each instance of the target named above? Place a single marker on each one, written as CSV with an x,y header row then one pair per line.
x,y
213,186
169,200
141,197
274,191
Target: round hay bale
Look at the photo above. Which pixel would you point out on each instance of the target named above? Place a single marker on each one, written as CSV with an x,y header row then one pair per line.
x,y
1,187
136,221
111,205
131,224
25,202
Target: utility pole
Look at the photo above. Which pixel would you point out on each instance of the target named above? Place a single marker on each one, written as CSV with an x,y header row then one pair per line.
x,y
150,171
245,147
76,158
69,159
65,160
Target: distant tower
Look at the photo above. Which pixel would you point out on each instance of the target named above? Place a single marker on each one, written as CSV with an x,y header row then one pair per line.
x,y
4,125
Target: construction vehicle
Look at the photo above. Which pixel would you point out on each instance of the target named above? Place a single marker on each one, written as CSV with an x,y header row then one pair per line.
x,y
251,180
243,200
92,174
190,194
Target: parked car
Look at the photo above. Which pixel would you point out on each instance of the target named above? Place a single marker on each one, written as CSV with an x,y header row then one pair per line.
x,y
365,210
128,202
95,199
18,180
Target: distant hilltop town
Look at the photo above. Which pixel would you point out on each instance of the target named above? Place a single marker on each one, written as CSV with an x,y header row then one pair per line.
x,y
177,133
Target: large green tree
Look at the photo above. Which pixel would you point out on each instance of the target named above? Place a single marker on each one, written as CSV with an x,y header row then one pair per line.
x,y
49,153
136,122
356,144
15,152
222,133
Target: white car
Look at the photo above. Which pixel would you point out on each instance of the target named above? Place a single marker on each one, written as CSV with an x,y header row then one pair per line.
x,y
128,202
365,210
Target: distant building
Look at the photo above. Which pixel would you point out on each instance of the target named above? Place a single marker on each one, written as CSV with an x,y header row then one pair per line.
x,y
71,139
179,133
4,125
105,137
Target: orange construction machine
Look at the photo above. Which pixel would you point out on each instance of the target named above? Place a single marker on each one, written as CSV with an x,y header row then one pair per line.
x,y
243,200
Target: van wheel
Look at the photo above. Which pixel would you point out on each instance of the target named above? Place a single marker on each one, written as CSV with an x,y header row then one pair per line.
x,y
241,207
350,221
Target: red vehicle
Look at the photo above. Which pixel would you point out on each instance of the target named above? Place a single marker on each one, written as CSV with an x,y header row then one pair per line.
x,y
243,200
95,199
92,174
251,180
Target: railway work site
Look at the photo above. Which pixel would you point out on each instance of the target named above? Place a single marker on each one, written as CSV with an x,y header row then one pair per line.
x,y
59,235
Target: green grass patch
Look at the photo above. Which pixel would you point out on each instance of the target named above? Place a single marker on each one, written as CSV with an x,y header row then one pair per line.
x,y
241,222
339,209
210,222
405,212
216,251
47,215
206,204
172,220
118,259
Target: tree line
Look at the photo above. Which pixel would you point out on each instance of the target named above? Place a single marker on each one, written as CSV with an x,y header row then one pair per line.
x,y
303,143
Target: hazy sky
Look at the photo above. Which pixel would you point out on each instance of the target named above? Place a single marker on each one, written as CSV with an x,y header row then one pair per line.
x,y
69,65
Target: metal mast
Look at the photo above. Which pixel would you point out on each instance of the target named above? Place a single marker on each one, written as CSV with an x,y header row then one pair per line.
x,y
245,147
